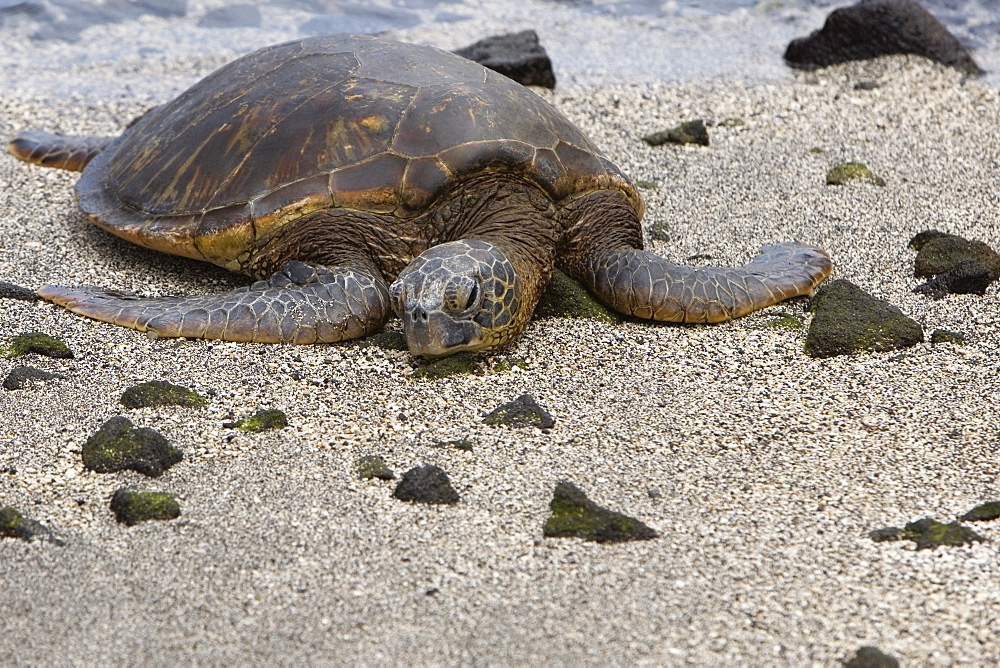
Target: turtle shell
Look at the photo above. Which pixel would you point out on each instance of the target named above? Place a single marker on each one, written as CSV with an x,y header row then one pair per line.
x,y
327,122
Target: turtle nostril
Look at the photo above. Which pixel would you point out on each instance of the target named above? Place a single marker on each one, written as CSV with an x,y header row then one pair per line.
x,y
419,313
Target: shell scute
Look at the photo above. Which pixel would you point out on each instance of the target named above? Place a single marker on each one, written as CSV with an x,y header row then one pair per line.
x,y
474,157
423,180
372,185
291,201
223,234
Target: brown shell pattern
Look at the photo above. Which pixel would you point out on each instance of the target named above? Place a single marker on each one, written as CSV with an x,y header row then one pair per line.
x,y
341,121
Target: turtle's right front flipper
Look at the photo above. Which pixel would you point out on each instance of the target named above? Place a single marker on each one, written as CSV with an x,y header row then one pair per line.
x,y
299,304
604,252
639,283
60,151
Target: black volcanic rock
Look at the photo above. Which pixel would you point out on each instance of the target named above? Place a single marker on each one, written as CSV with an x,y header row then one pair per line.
x,y
518,56
875,28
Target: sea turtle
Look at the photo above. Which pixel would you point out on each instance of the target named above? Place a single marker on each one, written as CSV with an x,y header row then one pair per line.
x,y
329,167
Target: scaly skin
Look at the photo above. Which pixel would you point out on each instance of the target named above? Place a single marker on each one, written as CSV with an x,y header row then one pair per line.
x,y
641,284
59,151
603,250
299,304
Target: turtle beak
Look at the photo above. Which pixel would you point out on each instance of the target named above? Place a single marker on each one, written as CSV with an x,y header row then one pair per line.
x,y
435,334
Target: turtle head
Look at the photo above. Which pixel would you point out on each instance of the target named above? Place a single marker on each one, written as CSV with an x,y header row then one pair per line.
x,y
461,295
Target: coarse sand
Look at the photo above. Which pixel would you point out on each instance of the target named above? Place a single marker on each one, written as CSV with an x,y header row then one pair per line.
x,y
762,469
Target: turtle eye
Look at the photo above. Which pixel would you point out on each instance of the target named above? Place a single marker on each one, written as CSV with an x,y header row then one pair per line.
x,y
461,294
473,300
396,294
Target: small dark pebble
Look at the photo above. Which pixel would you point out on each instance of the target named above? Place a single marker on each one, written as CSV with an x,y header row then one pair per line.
x,y
117,446
373,466
871,657
39,344
463,444
947,336
160,393
886,534
131,507
426,484
983,512
523,411
968,277
20,377
928,533
518,56
690,132
574,515
12,291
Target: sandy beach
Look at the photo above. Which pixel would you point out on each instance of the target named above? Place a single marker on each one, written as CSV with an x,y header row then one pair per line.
x,y
762,469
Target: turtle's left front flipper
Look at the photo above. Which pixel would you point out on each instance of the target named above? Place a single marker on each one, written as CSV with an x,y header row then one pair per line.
x,y
299,304
639,283
59,151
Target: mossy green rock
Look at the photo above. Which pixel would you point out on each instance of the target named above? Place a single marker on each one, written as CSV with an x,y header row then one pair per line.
x,y
574,515
15,525
523,411
983,512
263,420
871,657
689,132
847,320
373,466
160,393
131,507
851,171
938,252
117,446
928,533
39,344
462,363
565,298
